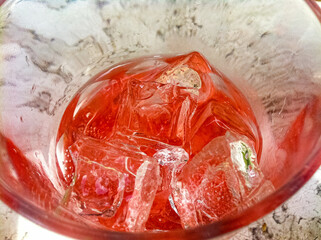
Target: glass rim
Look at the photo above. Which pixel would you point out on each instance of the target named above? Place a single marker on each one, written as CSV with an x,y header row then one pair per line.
x,y
227,225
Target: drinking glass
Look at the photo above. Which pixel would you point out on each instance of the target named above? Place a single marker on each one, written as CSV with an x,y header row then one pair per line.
x,y
270,49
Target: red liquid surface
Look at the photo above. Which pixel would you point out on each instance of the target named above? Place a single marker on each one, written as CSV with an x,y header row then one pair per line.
x,y
138,134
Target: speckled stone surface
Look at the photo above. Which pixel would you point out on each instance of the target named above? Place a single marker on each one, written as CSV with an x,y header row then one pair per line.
x,y
298,218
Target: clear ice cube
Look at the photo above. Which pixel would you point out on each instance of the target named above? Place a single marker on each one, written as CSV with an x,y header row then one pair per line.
x,y
221,179
146,185
172,161
156,110
251,178
183,76
98,188
103,173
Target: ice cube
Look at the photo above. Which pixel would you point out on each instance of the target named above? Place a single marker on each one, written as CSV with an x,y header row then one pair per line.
x,y
99,189
214,119
163,215
244,162
159,111
126,158
139,206
218,195
185,204
139,141
161,108
171,161
171,156
104,172
221,179
193,72
203,191
183,76
251,178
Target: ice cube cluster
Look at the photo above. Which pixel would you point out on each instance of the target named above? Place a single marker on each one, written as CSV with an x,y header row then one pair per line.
x,y
161,148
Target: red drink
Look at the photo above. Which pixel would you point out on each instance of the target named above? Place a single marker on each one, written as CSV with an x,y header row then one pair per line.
x,y
159,143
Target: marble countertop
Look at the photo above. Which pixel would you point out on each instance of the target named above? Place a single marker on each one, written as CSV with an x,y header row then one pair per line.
x,y
298,218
